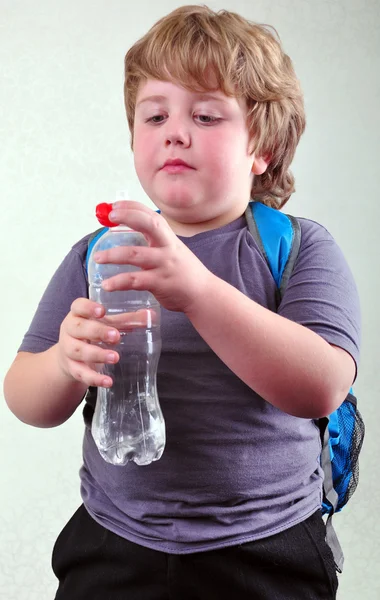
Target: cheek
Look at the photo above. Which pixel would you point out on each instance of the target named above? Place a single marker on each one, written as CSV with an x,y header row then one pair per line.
x,y
222,162
139,141
227,149
142,152
228,171
214,152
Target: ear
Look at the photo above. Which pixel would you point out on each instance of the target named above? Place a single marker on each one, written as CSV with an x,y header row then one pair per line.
x,y
260,164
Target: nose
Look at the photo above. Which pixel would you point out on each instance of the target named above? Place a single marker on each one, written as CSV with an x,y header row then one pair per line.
x,y
176,134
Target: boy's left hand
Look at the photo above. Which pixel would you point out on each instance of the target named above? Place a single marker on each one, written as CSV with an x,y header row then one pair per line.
x,y
169,270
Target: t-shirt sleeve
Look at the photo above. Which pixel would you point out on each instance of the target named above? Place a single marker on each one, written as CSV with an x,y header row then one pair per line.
x,y
321,293
68,283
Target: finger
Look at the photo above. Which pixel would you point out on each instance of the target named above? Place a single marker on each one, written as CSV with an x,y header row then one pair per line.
x,y
126,204
151,224
140,256
84,352
137,280
86,329
83,307
140,319
84,373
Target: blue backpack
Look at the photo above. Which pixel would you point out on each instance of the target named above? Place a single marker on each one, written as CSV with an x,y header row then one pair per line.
x,y
278,237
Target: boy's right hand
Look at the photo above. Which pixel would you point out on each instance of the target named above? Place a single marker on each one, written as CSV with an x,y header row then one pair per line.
x,y
78,351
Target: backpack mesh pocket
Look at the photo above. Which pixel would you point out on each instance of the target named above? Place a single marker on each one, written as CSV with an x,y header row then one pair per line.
x,y
345,463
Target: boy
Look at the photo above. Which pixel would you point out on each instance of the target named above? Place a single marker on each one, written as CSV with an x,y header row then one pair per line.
x,y
232,509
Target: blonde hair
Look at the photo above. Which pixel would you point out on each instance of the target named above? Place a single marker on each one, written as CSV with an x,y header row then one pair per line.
x,y
247,60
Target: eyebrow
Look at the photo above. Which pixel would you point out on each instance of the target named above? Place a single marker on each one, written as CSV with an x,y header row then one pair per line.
x,y
199,98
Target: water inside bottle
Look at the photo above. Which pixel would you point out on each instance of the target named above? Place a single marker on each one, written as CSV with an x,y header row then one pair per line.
x,y
128,423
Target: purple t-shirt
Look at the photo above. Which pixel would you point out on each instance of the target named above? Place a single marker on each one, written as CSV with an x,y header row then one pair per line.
x,y
235,468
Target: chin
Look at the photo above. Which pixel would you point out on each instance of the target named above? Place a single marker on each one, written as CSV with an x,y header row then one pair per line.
x,y
179,199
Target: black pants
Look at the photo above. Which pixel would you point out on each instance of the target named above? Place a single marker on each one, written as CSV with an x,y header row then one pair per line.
x,y
92,563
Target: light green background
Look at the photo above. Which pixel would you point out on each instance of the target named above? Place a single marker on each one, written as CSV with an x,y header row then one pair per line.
x,y
64,147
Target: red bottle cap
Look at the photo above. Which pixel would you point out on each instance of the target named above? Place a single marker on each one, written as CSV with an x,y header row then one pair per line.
x,y
102,212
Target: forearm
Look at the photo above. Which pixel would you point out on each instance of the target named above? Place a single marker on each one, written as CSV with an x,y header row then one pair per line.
x,y
38,392
287,364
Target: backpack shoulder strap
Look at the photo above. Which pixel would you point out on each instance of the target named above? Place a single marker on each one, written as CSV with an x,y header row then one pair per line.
x,y
279,238
92,241
330,496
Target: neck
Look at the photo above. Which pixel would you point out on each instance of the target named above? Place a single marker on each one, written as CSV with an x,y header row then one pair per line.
x,y
190,229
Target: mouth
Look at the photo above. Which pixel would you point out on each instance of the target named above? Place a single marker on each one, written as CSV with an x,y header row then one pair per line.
x,y
176,165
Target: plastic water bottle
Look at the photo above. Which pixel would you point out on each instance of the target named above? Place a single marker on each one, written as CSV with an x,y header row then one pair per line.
x,y
128,423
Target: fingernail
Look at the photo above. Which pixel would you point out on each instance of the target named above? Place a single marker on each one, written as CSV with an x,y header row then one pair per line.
x,y
97,255
111,357
98,311
107,382
112,215
112,335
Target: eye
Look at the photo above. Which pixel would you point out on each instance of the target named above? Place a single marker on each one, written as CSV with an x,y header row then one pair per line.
x,y
156,119
207,119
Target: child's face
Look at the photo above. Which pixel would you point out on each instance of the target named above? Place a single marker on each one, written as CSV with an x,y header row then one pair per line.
x,y
208,132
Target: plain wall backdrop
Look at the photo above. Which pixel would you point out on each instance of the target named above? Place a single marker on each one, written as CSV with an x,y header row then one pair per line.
x,y
64,147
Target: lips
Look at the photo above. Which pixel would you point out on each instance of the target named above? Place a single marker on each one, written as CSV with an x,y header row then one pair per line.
x,y
175,165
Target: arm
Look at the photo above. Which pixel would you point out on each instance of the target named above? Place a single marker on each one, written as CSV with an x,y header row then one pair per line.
x,y
38,392
285,362
56,364
36,388
289,365
44,389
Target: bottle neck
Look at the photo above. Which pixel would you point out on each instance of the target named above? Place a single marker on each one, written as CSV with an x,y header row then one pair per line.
x,y
121,228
